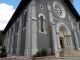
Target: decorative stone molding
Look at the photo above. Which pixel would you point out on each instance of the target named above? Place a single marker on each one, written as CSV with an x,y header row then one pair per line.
x,y
49,8
74,28
44,24
41,6
59,9
62,24
42,15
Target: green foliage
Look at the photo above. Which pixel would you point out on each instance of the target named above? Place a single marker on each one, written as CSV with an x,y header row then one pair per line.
x,y
38,54
44,52
41,53
1,37
0,52
3,49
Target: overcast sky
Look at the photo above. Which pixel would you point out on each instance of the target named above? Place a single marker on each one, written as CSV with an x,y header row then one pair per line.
x,y
7,8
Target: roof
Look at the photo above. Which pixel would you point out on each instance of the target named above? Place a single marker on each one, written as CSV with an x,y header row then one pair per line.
x,y
19,9
72,9
24,3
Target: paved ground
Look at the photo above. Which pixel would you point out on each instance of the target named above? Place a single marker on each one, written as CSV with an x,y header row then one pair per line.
x,y
14,57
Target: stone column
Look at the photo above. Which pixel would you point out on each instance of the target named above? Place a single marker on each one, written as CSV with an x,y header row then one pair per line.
x,y
8,48
58,41
5,40
8,44
28,39
34,29
71,44
11,49
75,35
34,37
65,42
76,40
55,40
19,37
31,31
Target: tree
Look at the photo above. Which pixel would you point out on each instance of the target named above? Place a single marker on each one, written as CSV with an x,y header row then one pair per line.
x,y
1,37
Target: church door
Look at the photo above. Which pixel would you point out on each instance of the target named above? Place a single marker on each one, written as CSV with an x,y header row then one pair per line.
x,y
62,42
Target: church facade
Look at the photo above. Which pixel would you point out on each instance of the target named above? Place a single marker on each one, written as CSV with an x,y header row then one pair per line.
x,y
37,24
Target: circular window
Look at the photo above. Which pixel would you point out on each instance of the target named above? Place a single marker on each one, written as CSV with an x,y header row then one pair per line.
x,y
41,6
59,9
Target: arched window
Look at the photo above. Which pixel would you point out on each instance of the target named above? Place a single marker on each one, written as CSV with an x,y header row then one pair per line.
x,y
42,27
42,24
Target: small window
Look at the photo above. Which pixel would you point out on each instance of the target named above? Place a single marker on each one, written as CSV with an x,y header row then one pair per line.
x,y
17,26
24,17
11,31
42,24
41,6
42,28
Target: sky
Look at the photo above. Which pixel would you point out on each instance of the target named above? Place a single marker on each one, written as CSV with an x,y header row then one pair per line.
x,y
77,5
7,8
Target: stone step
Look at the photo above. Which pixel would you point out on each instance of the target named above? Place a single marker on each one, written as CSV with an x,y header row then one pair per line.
x,y
59,58
44,58
69,53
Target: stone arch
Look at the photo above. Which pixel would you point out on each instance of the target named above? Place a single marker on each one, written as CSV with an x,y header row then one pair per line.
x,y
42,15
64,36
64,27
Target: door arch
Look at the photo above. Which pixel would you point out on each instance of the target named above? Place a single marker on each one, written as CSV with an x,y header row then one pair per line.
x,y
63,33
63,36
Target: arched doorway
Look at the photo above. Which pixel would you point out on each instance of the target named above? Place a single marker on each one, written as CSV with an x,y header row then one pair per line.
x,y
63,37
63,33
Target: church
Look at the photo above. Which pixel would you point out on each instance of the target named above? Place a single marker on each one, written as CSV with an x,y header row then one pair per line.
x,y
50,24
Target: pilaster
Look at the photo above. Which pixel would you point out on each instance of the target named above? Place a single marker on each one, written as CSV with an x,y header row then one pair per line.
x,y
76,40
34,29
75,35
8,47
11,49
31,31
54,38
19,37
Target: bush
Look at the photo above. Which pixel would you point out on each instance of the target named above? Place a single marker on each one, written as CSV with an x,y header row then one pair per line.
x,y
0,52
3,52
41,53
38,54
3,49
44,52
